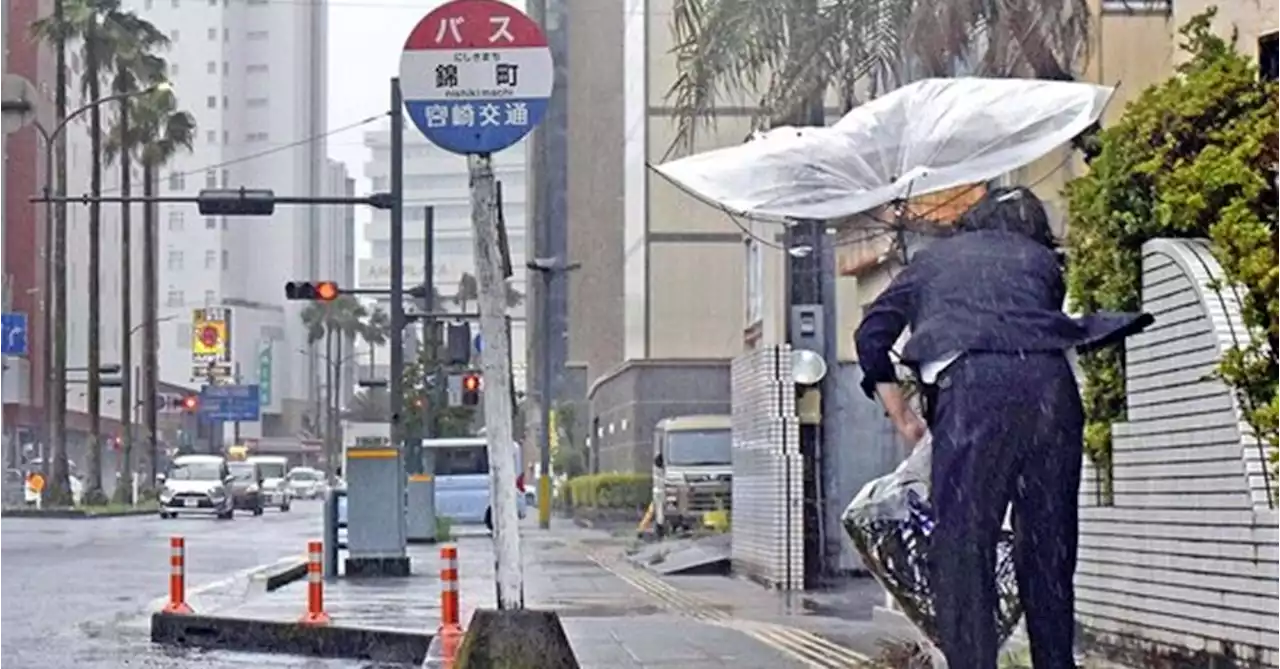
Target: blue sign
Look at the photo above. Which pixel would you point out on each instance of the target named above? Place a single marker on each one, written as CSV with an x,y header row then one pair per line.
x,y
230,403
476,76
478,343
13,332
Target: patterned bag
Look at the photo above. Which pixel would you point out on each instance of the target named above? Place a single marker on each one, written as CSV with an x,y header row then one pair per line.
x,y
890,522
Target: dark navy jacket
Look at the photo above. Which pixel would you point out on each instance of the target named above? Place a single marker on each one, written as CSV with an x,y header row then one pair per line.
x,y
982,291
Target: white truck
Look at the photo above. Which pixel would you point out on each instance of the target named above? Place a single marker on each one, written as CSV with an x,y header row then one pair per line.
x,y
692,470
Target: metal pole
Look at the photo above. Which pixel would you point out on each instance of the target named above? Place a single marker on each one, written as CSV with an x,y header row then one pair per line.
x,y
430,325
326,398
49,381
544,403
396,382
235,427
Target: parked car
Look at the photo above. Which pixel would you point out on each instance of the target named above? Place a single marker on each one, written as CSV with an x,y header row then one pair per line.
x,y
275,490
306,483
463,493
246,486
198,484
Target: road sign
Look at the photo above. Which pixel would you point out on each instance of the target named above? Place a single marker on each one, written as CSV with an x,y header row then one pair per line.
x,y
211,335
476,76
264,373
35,481
230,403
14,333
20,98
479,343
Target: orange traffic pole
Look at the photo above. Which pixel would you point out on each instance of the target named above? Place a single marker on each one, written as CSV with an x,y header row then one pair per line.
x,y
450,632
177,577
315,614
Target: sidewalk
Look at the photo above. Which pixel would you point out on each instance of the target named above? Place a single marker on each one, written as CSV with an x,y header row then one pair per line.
x,y
616,615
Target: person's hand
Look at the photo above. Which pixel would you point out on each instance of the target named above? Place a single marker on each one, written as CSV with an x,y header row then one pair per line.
x,y
910,426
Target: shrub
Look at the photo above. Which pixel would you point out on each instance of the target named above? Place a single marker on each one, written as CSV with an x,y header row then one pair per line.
x,y
611,491
1194,156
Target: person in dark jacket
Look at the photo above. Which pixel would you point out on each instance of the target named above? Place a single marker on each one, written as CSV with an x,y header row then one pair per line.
x,y
991,345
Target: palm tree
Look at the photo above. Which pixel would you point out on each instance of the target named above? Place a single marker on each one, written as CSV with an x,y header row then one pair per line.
x,y
56,30
164,131
790,53
333,321
370,405
514,297
468,290
134,65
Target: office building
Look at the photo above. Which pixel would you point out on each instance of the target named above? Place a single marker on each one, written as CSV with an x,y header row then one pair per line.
x,y
438,179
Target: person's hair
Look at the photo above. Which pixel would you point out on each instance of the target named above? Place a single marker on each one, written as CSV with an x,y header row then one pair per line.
x,y
1015,209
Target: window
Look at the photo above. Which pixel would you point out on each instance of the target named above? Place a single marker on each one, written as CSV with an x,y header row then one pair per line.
x,y
177,181
175,298
256,137
212,33
211,136
256,103
211,67
211,102
210,298
226,177
213,3
224,222
226,258
148,4
210,179
256,35
256,68
174,34
210,259
175,260
226,34
210,223
181,334
175,221
226,136
175,3
226,102
226,68
1268,66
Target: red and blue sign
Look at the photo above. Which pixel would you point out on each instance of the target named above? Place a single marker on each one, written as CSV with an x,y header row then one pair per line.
x,y
476,76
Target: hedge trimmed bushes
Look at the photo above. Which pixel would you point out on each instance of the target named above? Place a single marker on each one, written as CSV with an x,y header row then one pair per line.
x,y
610,491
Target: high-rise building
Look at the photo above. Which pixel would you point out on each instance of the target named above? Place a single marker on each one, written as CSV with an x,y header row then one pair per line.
x,y
253,74
438,179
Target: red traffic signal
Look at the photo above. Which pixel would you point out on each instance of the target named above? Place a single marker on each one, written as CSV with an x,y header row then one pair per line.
x,y
190,403
321,291
471,389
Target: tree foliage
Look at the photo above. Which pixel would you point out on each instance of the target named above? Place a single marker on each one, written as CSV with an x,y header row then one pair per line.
x,y
1192,157
793,52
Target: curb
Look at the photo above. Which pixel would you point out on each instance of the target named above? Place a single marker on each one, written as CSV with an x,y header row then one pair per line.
x,y
283,575
78,514
270,636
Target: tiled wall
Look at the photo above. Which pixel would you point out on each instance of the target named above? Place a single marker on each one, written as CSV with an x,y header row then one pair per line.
x,y
768,539
1185,557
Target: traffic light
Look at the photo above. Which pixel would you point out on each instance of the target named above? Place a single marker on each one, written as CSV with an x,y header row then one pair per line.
x,y
323,291
458,344
470,389
236,202
190,403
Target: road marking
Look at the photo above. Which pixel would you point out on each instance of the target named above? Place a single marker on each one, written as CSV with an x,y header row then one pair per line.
x,y
251,574
806,647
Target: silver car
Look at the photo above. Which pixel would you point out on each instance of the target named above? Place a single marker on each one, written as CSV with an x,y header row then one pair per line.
x,y
305,483
198,484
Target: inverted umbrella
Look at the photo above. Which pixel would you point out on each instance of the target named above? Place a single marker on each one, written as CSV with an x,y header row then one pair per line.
x,y
928,136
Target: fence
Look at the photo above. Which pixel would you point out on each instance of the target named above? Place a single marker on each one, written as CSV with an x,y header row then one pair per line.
x,y
1182,564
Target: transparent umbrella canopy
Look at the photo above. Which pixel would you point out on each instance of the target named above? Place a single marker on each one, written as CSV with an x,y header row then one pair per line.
x,y
929,136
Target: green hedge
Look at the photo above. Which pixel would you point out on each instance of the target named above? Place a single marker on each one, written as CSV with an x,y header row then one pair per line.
x,y
610,491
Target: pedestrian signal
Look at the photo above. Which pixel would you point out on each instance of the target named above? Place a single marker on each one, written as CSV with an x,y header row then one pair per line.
x,y
190,403
471,390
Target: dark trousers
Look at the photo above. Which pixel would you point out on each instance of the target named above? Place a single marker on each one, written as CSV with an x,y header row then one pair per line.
x,y
1006,429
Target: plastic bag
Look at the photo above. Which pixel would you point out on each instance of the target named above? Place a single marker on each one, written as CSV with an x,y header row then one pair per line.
x,y
890,522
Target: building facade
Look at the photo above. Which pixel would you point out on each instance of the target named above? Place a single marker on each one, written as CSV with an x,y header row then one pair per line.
x,y
253,74
438,179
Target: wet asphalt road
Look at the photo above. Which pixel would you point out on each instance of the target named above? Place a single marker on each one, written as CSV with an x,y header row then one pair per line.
x,y
77,593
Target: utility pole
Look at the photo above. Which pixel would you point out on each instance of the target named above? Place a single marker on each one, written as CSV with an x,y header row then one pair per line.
x,y
495,367
549,269
396,382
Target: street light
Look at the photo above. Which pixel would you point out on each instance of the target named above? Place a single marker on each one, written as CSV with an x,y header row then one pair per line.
x,y
50,137
133,330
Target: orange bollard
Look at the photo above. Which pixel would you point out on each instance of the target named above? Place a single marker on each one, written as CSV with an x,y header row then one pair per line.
x,y
177,577
315,614
450,631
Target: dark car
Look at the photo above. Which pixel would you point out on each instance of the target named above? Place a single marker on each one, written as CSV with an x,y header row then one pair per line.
x,y
246,486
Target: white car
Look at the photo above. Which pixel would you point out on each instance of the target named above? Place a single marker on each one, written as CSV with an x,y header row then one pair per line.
x,y
275,490
306,483
198,484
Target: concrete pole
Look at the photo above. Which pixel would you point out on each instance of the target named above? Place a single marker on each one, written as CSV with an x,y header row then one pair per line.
x,y
495,366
